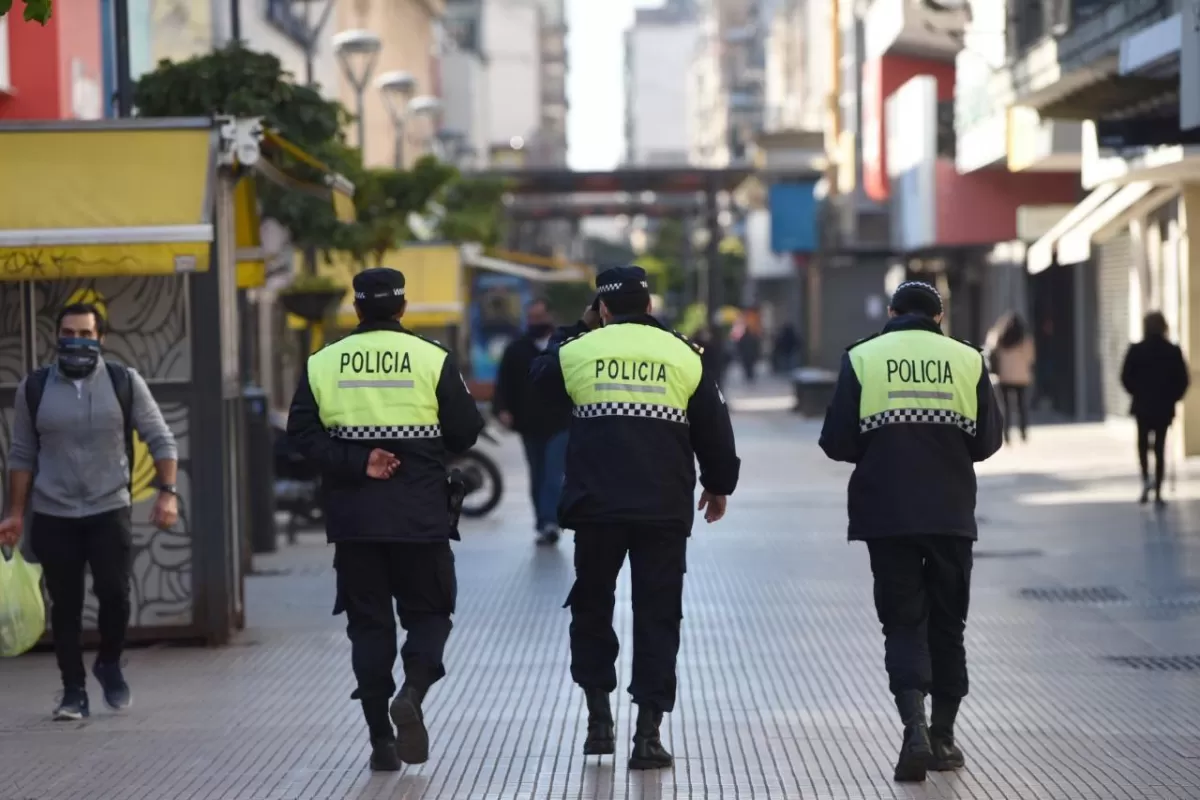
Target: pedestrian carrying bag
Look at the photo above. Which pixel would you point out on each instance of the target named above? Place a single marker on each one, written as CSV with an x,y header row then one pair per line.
x,y
22,610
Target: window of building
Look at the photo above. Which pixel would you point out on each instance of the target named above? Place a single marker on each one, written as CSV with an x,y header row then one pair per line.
x,y
283,14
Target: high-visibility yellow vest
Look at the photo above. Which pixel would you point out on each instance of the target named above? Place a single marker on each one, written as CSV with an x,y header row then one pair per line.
x,y
378,385
630,370
917,377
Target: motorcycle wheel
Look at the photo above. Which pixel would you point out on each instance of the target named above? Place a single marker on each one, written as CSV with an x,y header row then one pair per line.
x,y
482,474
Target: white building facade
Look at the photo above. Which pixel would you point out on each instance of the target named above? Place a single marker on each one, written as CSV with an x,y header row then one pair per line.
x,y
659,50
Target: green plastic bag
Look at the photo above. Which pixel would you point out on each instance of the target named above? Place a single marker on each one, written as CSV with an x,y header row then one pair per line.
x,y
22,610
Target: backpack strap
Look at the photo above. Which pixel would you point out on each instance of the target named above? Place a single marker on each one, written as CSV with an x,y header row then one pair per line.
x,y
35,387
122,383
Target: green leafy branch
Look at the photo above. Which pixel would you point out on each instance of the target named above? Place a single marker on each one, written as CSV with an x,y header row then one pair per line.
x,y
35,10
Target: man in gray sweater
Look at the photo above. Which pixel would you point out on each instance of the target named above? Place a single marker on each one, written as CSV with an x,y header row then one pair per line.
x,y
72,452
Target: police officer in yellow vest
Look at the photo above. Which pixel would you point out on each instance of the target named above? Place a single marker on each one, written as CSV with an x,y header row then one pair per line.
x,y
913,411
644,411
379,411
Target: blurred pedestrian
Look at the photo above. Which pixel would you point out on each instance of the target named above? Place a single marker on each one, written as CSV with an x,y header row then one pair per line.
x,y
645,411
1156,377
542,427
1011,356
784,350
913,410
70,463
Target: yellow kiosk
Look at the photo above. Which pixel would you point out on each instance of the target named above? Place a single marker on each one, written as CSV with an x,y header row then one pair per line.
x,y
148,218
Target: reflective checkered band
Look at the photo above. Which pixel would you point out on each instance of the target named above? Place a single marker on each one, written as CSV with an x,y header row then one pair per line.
x,y
648,410
386,432
383,293
917,416
613,287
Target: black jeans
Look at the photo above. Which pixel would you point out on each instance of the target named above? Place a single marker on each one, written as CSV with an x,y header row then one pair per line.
x,y
1014,400
658,560
922,591
1144,431
64,547
419,578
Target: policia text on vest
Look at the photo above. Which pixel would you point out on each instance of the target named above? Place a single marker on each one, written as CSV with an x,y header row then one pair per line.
x,y
913,409
384,388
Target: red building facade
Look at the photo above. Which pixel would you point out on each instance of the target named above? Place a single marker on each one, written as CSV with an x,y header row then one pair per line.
x,y
55,71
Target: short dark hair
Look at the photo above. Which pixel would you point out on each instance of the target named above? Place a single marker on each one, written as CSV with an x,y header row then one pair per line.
x,y
623,303
72,309
381,310
1154,324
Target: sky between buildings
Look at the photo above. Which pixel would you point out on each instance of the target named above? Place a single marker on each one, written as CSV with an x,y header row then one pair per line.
x,y
595,81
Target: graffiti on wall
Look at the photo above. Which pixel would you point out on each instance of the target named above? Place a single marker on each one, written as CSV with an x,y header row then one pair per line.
x,y
147,320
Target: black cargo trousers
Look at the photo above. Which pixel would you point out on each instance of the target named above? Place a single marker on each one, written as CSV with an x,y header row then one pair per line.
x,y
922,592
419,578
658,561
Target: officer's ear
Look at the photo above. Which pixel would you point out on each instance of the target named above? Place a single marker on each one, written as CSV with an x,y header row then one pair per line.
x,y
358,312
605,314
891,312
938,319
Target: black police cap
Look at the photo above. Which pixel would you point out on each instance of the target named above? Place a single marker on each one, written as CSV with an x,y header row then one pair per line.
x,y
918,297
378,283
622,280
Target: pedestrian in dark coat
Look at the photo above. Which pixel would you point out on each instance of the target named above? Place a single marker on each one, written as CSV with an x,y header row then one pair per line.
x,y
1156,377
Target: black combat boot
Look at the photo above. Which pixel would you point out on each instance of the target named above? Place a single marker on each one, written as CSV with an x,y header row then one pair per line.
x,y
648,751
601,735
915,752
412,739
946,754
383,738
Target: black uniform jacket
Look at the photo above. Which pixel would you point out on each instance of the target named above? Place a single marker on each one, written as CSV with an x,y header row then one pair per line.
x,y
515,394
633,469
915,478
412,505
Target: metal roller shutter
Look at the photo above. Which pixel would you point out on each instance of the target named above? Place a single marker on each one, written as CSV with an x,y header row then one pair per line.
x,y
1113,262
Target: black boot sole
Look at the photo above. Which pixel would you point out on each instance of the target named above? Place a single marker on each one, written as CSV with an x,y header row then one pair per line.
x,y
947,765
913,767
650,763
599,747
412,739
384,764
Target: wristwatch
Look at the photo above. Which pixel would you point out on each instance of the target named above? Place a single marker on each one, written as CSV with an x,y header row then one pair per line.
x,y
168,488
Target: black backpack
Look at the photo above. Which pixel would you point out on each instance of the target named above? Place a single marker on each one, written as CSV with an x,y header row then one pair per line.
x,y
122,383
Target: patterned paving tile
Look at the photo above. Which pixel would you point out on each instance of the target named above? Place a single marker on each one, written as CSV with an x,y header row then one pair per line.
x,y
782,692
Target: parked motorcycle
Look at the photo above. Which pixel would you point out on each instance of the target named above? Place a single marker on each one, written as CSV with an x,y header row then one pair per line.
x,y
482,479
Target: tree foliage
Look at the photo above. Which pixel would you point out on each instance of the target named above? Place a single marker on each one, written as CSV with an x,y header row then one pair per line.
x,y
35,10
239,82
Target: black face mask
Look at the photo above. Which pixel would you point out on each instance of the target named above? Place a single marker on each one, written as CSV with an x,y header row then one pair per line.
x,y
540,331
77,358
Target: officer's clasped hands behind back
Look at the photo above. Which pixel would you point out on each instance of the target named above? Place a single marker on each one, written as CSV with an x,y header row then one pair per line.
x,y
380,411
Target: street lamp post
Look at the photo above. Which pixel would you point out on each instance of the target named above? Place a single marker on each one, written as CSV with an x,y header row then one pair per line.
x,y
312,32
357,52
397,88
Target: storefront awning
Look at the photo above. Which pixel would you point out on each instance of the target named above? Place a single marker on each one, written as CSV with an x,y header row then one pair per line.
x,y
473,256
334,187
1075,246
1041,253
118,197
433,285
